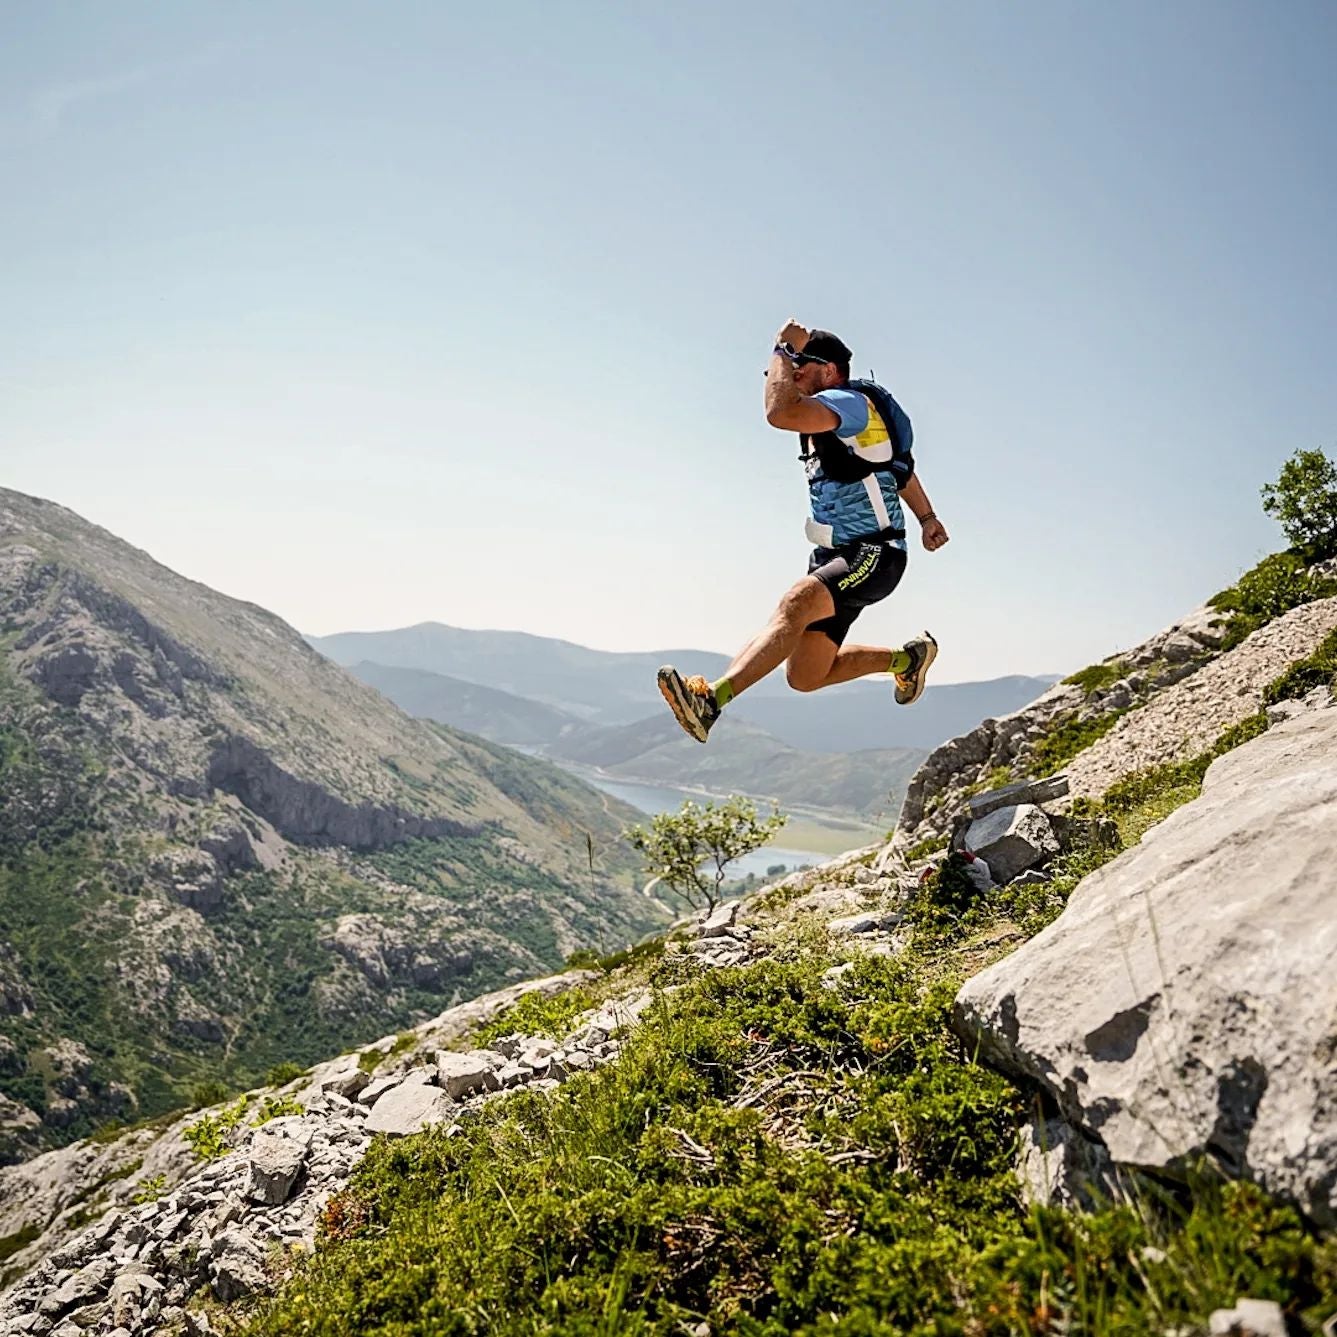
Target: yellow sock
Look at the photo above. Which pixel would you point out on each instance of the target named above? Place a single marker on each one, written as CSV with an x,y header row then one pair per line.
x,y
900,661
723,692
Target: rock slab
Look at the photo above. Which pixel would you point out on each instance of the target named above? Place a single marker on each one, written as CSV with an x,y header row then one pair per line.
x,y
1185,1002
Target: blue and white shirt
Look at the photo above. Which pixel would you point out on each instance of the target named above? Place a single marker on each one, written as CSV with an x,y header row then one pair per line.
x,y
844,512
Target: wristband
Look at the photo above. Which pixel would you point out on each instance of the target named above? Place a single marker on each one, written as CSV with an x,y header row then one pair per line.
x,y
924,519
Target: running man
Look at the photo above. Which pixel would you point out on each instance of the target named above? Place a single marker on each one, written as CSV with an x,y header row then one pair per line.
x,y
859,471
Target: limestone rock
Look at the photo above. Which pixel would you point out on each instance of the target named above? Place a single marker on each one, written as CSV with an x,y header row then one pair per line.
x,y
719,920
461,1075
1012,839
1059,1167
1024,791
1183,1003
275,1164
1249,1318
409,1108
871,921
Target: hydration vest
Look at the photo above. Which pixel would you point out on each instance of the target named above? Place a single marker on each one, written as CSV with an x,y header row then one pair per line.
x,y
855,498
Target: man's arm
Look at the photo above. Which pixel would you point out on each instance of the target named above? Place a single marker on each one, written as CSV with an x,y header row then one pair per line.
x,y
786,408
932,530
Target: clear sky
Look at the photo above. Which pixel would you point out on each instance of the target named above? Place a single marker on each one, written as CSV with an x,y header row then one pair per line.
x,y
376,314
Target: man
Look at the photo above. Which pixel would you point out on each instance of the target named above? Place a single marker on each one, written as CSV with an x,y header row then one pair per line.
x,y
858,526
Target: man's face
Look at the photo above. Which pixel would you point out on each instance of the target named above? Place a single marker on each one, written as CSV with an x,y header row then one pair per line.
x,y
810,377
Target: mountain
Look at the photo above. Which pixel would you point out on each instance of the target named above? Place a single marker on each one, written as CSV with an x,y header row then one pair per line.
x,y
501,716
741,758
219,850
745,759
605,687
932,1096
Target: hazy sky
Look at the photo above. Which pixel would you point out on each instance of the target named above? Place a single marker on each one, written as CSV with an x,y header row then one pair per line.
x,y
375,314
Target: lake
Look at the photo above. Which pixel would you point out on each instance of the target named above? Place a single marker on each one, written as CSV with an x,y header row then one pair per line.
x,y
654,798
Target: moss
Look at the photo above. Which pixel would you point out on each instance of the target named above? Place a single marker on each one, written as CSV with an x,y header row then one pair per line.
x,y
20,1239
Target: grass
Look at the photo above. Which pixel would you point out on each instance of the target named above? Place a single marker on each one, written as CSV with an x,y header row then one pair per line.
x,y
771,1157
1096,677
1277,584
1066,737
1319,669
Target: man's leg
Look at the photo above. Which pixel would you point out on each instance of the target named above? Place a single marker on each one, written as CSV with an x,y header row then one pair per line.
x,y
697,704
817,662
804,603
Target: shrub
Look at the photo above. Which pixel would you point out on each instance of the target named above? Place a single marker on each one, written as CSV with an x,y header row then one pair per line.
x,y
209,1136
283,1073
1277,584
1097,676
689,850
1304,501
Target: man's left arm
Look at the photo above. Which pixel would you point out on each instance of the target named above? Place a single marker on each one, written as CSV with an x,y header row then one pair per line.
x,y
932,530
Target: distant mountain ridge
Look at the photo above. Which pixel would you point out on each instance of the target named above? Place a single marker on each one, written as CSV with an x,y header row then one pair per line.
x,y
607,687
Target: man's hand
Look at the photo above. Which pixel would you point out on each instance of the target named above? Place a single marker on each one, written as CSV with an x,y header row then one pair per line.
x,y
934,534
792,333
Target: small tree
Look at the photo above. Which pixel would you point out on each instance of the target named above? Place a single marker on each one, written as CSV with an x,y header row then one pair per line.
x,y
1303,501
690,849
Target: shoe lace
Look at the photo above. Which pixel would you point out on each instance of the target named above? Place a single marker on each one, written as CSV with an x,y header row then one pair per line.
x,y
697,685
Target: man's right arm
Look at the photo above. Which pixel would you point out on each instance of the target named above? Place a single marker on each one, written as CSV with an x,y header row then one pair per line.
x,y
932,530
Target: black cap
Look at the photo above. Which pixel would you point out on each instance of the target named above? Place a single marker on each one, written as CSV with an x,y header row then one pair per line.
x,y
824,344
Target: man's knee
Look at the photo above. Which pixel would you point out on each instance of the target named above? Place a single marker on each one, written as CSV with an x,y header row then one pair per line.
x,y
804,679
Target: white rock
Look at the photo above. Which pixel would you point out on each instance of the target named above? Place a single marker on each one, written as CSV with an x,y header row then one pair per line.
x,y
460,1075
1175,1008
1249,1318
1012,839
409,1108
276,1161
719,920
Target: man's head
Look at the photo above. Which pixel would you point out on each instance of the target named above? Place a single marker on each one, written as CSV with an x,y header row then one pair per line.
x,y
824,363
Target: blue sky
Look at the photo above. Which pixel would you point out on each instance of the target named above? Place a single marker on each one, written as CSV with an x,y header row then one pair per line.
x,y
380,314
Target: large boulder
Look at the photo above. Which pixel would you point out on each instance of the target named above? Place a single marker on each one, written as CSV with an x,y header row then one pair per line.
x,y
1012,839
1184,1005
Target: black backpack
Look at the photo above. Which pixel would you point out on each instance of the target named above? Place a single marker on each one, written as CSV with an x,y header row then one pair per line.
x,y
842,465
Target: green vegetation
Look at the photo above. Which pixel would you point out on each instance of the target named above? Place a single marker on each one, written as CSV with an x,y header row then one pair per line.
x,y
1096,677
1318,669
1277,584
538,1014
1304,501
150,1190
208,1137
771,1156
678,845
283,1073
371,1059
275,1107
1066,737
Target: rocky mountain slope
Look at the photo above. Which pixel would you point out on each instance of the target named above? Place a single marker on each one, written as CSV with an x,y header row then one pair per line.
x,y
219,851
1083,1083
608,688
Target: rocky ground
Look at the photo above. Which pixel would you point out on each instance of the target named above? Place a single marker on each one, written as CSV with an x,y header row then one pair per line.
x,y
1177,693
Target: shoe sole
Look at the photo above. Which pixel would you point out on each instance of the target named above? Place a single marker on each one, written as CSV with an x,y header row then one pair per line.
x,y
922,672
677,702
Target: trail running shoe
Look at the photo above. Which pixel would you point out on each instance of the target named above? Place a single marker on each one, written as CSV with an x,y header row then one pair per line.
x,y
691,700
923,650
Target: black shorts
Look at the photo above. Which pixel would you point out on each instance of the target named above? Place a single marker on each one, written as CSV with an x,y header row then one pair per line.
x,y
857,575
